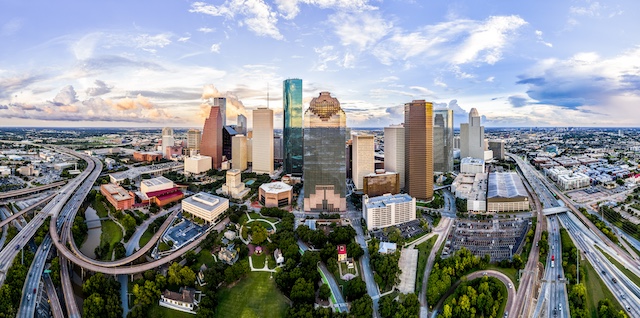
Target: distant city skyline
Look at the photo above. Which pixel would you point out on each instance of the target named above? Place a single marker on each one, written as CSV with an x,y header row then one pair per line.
x,y
544,63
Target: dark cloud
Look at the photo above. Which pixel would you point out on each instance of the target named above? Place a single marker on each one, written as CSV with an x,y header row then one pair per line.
x,y
4,107
9,85
517,101
533,80
569,92
100,89
395,110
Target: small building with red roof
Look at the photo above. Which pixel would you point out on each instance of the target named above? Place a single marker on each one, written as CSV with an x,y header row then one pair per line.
x,y
342,253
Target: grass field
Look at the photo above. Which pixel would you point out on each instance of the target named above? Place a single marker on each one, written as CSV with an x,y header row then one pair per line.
x,y
100,208
163,247
205,257
146,237
634,278
255,296
597,290
157,311
424,249
263,223
258,260
511,272
345,269
111,234
633,248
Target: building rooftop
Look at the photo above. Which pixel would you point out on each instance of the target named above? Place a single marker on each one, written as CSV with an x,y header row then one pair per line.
x,y
117,192
471,161
505,185
205,201
384,200
276,187
156,181
186,295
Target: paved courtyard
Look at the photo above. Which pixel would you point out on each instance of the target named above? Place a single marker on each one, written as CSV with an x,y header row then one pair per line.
x,y
409,265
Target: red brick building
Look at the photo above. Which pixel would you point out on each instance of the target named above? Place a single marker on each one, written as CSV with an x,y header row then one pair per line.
x,y
211,144
120,198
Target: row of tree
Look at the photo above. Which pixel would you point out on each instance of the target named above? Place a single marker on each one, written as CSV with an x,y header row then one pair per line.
x,y
447,271
481,297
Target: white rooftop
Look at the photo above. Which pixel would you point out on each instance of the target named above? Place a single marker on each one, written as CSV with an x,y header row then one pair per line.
x,y
471,161
276,187
156,181
205,201
384,200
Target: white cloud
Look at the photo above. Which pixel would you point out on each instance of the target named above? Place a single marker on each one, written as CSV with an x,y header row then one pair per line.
x,y
326,54
11,27
206,30
592,10
486,41
184,38
438,82
258,16
151,41
348,61
289,9
215,48
540,40
422,90
360,30
490,79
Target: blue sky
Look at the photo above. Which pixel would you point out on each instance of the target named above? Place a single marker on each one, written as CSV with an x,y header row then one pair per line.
x,y
150,63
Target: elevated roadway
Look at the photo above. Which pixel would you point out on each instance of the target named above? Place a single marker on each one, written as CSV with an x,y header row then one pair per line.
x,y
32,282
21,192
54,301
26,210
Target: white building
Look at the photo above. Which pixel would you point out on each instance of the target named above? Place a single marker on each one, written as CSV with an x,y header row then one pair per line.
x,y
573,181
197,164
363,158
5,171
239,152
109,162
471,165
472,142
184,301
205,206
388,210
473,188
394,150
234,187
262,141
155,184
167,139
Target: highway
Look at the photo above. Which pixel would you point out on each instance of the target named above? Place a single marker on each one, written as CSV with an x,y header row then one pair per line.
x,y
32,283
20,192
26,210
54,301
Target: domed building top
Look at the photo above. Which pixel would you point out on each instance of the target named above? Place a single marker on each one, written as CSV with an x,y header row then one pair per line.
x,y
474,113
167,131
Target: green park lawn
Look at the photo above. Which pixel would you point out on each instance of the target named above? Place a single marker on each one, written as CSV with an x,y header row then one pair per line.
x,y
512,273
146,237
254,296
258,260
597,290
100,209
158,311
424,249
205,257
111,234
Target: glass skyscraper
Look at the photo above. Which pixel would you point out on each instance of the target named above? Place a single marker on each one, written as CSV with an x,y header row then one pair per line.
x,y
292,130
442,140
325,166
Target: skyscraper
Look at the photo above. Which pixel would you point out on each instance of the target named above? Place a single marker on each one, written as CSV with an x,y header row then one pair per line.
x,y
363,160
443,140
472,138
394,151
193,139
211,144
222,103
262,143
241,126
324,155
418,125
292,130
167,139
239,150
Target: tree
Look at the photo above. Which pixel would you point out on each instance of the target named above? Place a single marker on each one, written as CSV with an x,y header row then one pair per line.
x,y
517,262
187,276
387,306
174,274
55,271
362,307
258,234
355,289
325,292
302,291
146,294
354,250
191,257
93,306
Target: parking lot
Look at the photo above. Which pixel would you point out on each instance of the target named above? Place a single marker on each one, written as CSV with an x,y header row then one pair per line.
x,y
407,230
499,239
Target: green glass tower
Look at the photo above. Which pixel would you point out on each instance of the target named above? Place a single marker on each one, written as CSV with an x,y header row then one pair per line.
x,y
292,130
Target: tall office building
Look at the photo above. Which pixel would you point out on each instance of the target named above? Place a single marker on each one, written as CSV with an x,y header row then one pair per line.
x,y
227,134
262,144
497,147
472,138
222,103
277,148
292,130
443,140
193,139
239,150
167,139
211,144
241,126
363,158
324,167
394,151
418,125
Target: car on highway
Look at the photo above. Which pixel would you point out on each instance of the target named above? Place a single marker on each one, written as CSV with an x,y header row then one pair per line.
x,y
560,307
17,247
510,286
29,297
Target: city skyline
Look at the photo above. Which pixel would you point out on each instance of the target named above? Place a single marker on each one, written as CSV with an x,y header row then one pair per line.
x,y
531,64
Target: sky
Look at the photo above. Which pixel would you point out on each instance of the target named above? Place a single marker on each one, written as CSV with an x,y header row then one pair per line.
x,y
152,63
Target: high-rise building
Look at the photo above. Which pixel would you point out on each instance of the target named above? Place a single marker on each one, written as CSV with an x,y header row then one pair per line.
x,y
211,144
193,139
241,126
324,167
239,149
292,130
277,148
262,140
363,158
418,125
394,151
167,139
227,134
443,140
497,147
222,103
472,138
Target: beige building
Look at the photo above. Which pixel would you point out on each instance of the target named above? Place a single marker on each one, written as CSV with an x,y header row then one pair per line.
x,y
506,193
471,165
394,151
418,125
205,206
28,170
387,210
234,187
363,147
262,145
473,188
381,182
275,194
155,184
193,139
239,152
197,164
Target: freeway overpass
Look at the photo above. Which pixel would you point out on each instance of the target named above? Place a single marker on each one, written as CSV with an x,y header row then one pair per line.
x,y
555,210
21,192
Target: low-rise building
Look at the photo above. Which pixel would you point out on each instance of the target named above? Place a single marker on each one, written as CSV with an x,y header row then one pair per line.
x,y
28,170
381,182
275,194
185,300
234,187
205,206
471,165
387,248
164,197
228,254
342,253
120,198
147,156
388,210
155,184
473,188
197,164
573,181
506,193
5,171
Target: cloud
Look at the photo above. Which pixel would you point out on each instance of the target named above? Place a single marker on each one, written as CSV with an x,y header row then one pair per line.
x,y
100,89
66,96
10,85
326,54
185,38
215,48
540,40
518,101
206,30
360,30
258,16
234,106
456,42
11,27
4,107
422,90
289,9
147,41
